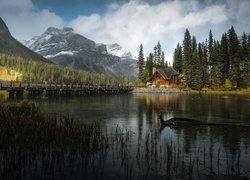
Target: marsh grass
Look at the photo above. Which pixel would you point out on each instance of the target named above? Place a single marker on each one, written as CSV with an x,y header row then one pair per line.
x,y
36,146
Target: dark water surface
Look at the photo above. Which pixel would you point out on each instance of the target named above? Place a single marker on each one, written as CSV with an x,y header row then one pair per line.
x,y
186,152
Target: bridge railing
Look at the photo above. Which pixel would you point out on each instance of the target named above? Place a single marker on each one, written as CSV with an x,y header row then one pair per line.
x,y
5,85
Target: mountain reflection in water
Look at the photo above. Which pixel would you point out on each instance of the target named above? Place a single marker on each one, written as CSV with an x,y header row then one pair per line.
x,y
138,148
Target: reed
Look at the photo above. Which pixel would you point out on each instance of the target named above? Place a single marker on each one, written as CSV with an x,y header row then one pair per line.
x,y
34,145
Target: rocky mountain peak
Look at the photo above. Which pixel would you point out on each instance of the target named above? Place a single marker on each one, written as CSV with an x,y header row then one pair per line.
x,y
56,31
117,50
67,29
67,48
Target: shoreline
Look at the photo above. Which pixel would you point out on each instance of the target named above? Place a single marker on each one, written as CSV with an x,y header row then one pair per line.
x,y
157,90
176,90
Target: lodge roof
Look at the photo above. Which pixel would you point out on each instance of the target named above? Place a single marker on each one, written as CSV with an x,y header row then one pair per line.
x,y
166,72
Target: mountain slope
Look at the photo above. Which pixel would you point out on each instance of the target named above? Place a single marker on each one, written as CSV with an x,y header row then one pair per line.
x,y
11,46
67,48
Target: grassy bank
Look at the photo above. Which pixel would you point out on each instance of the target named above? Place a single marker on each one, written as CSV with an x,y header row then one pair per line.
x,y
210,91
177,90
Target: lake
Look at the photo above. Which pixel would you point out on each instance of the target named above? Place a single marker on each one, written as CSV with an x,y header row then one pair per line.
x,y
187,152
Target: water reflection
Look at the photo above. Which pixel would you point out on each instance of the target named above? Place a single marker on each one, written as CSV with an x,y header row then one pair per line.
x,y
148,152
221,149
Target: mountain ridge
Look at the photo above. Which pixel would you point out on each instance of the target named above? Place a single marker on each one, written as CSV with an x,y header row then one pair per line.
x,y
9,45
67,48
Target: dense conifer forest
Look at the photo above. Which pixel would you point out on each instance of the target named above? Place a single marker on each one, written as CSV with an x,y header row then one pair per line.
x,y
39,72
214,64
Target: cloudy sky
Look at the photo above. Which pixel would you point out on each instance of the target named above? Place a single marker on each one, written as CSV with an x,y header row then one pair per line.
x,y
128,22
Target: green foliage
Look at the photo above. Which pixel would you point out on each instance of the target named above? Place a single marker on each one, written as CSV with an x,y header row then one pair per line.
x,y
162,59
216,66
39,72
244,62
141,64
228,85
159,53
195,81
224,57
234,57
178,61
149,67
187,57
139,84
212,63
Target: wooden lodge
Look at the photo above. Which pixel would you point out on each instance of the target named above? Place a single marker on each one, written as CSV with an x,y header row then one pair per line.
x,y
164,77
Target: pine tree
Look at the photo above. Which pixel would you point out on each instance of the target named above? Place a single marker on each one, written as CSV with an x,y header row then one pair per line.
x,y
149,67
155,56
210,46
196,72
187,56
216,66
141,64
202,52
234,57
225,58
245,62
162,59
158,53
178,62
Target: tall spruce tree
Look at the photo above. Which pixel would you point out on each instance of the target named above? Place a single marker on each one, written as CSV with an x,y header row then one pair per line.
x,y
158,53
187,57
141,64
202,52
162,59
210,46
216,66
245,61
178,62
195,81
225,58
234,57
155,56
149,66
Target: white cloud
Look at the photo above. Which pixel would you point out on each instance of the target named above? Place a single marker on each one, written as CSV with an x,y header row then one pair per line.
x,y
135,22
25,20
138,22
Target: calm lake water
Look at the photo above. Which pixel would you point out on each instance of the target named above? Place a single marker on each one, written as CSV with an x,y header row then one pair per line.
x,y
186,152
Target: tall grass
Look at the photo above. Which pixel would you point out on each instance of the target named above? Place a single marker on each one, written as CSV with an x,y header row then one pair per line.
x,y
33,145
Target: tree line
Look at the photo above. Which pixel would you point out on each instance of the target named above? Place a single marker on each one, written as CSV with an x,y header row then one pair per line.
x,y
214,64
39,72
154,59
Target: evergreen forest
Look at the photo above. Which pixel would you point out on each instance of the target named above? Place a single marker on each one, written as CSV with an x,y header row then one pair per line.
x,y
40,72
212,64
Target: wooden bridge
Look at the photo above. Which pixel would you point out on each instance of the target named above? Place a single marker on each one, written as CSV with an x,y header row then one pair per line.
x,y
45,90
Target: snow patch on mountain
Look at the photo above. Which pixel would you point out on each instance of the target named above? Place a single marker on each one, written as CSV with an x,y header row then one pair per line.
x,y
70,53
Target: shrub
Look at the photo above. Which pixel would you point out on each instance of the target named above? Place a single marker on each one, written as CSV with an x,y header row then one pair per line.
x,y
228,85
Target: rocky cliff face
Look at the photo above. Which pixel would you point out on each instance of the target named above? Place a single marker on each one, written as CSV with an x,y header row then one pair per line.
x,y
67,48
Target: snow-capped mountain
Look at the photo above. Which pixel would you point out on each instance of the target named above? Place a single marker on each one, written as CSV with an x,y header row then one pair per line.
x,y
65,47
117,50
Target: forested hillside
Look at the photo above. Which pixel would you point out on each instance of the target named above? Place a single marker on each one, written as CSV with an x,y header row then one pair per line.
x,y
214,64
9,45
39,72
